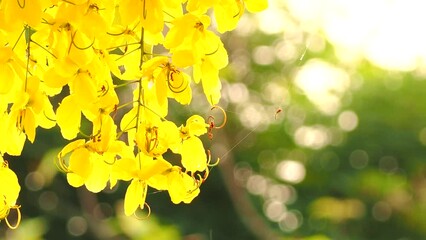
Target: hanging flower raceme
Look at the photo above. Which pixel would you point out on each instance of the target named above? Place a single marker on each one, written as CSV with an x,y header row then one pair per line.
x,y
9,192
87,53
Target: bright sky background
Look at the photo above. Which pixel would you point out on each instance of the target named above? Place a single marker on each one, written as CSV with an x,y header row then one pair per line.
x,y
389,33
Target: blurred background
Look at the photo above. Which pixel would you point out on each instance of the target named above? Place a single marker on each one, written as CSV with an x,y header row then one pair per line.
x,y
325,138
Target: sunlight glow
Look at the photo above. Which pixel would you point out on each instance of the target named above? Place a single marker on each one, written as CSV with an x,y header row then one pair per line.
x,y
389,33
323,84
272,20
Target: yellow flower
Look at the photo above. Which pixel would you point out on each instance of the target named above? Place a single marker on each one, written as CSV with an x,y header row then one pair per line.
x,y
9,191
89,167
91,162
196,125
189,40
104,134
193,45
194,156
29,107
142,169
154,139
167,81
181,186
192,151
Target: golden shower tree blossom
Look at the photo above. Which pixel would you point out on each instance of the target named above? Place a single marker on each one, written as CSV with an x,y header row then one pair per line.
x,y
63,63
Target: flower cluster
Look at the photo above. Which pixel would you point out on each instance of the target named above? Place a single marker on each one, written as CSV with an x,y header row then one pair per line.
x,y
85,50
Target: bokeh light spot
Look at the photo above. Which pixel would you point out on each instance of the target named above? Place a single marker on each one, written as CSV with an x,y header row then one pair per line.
x,y
388,164
315,137
348,120
48,200
291,171
358,159
274,210
291,221
77,226
263,55
382,211
34,181
257,184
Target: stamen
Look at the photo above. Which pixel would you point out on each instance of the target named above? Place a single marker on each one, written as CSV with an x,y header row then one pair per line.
x,y
78,47
21,5
145,217
18,220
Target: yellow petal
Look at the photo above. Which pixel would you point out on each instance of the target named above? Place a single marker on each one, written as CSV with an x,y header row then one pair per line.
x,y
81,51
194,157
197,125
176,187
183,58
84,88
135,196
161,87
256,5
124,169
151,167
52,79
81,162
15,139
30,124
192,188
9,187
46,119
7,78
24,11
200,6
211,82
68,117
182,187
99,176
129,11
70,147
153,18
75,180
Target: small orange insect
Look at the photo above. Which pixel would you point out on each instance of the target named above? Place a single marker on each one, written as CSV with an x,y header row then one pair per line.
x,y
277,112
